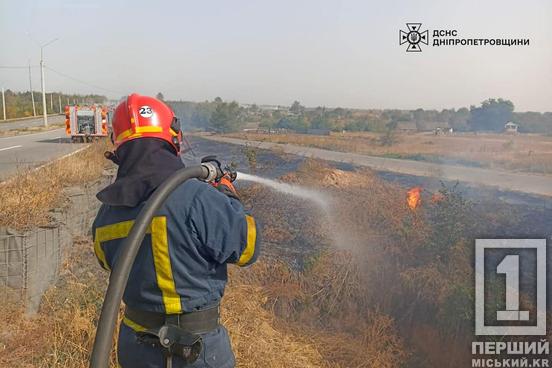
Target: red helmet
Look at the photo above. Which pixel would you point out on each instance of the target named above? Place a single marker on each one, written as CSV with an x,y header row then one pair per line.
x,y
143,116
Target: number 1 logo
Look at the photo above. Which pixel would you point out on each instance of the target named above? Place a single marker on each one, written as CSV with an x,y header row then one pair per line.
x,y
510,266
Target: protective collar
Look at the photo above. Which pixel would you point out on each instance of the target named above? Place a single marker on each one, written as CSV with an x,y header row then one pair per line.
x,y
143,165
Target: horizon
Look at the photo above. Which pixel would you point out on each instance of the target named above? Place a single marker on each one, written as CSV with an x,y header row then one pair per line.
x,y
288,105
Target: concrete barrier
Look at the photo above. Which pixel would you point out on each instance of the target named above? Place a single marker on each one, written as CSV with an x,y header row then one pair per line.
x,y
30,261
29,264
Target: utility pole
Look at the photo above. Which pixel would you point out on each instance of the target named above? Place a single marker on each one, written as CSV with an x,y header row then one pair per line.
x,y
4,103
43,82
31,89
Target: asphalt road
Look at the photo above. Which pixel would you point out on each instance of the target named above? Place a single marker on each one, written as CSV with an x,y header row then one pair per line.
x,y
32,122
31,150
504,180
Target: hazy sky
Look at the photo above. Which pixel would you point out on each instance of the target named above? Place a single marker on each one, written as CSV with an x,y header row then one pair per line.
x,y
321,52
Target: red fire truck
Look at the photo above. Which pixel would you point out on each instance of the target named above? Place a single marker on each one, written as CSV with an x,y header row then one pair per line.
x,y
85,123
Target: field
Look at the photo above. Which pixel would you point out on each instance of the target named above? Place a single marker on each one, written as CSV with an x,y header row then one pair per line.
x,y
521,152
365,282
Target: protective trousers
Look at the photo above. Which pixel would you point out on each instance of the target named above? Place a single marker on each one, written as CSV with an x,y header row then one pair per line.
x,y
135,353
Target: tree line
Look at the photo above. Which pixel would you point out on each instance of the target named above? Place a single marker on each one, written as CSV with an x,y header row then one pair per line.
x,y
216,115
228,116
19,104
491,115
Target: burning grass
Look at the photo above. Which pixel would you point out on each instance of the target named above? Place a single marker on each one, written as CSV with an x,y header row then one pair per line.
x,y
377,254
27,197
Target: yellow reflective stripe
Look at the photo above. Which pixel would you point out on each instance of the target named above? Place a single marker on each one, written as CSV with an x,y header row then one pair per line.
x,y
110,232
107,233
113,231
149,129
100,254
161,257
124,135
251,239
129,133
135,135
163,270
135,326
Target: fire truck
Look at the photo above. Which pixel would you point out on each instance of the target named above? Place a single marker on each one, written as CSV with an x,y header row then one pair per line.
x,y
86,123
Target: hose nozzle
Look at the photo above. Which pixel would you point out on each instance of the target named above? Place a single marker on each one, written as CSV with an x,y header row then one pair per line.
x,y
214,173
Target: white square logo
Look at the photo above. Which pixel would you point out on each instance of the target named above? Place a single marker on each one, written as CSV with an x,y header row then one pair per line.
x,y
508,260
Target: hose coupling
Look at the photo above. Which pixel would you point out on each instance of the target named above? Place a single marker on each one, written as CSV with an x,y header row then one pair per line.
x,y
213,173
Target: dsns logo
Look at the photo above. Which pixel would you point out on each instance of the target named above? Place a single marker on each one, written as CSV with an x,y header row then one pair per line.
x,y
414,37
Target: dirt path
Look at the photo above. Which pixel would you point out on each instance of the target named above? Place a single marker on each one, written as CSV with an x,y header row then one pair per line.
x,y
519,182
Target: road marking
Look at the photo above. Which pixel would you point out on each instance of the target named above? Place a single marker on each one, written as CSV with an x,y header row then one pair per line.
x,y
9,148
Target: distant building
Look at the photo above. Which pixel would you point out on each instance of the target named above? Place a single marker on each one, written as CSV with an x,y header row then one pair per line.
x,y
443,131
511,128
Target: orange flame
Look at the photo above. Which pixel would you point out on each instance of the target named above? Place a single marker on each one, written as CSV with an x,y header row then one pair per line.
x,y
414,198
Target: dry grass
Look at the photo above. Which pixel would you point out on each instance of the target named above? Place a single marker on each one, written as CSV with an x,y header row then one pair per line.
x,y
342,309
277,316
386,257
317,318
26,198
523,152
61,334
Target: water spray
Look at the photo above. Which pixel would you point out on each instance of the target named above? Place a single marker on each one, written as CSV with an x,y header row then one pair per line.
x,y
320,199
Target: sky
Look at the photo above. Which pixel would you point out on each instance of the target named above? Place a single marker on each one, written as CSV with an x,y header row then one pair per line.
x,y
320,52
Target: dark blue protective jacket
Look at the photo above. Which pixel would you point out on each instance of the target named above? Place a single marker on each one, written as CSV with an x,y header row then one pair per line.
x,y
181,265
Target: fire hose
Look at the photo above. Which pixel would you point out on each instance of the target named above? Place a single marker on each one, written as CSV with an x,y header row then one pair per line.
x,y
209,171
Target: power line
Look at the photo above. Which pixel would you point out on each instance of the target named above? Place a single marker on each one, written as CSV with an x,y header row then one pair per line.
x,y
83,82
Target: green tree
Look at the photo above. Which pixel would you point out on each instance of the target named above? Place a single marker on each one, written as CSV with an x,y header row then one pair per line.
x,y
160,96
459,119
419,118
491,115
321,122
226,117
297,108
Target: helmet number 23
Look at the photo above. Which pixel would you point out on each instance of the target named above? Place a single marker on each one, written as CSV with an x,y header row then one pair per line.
x,y
145,111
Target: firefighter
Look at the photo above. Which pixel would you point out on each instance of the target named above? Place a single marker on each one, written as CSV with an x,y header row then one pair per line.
x,y
180,272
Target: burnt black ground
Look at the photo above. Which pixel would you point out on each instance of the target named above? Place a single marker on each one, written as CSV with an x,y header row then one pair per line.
x,y
531,215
